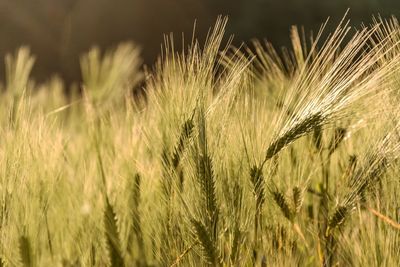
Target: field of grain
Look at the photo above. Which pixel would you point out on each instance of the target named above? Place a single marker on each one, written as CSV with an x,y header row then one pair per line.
x,y
227,156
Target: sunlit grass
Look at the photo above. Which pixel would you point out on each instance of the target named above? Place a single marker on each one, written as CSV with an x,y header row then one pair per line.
x,y
228,158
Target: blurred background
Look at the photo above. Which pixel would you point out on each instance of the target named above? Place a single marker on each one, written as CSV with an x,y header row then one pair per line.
x,y
59,31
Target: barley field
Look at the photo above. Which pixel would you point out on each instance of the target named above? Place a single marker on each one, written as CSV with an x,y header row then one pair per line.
x,y
228,156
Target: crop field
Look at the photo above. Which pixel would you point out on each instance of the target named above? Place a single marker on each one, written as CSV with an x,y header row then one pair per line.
x,y
223,156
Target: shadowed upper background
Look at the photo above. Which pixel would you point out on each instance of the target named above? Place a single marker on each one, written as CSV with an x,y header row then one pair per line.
x,y
59,31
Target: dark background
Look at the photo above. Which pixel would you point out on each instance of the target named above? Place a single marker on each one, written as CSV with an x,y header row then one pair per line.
x,y
58,31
